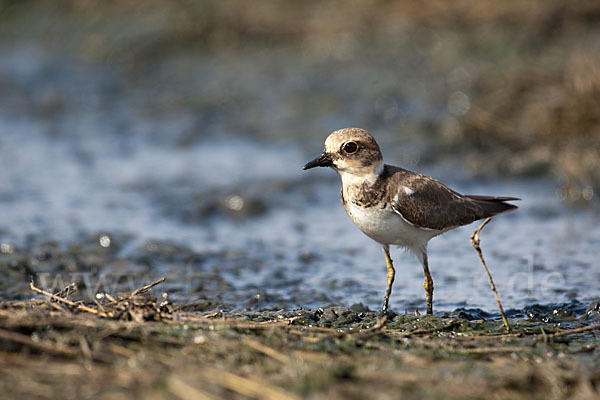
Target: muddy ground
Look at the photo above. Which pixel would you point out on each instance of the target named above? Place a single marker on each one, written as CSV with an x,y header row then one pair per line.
x,y
139,346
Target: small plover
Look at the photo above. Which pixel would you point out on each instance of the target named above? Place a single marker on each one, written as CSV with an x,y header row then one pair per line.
x,y
394,206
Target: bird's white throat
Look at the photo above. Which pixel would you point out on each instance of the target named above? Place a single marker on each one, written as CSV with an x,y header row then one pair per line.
x,y
368,175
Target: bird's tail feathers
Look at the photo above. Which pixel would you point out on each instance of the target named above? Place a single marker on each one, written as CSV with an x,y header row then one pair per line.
x,y
494,205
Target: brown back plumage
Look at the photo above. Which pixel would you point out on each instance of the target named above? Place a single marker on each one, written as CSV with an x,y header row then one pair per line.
x,y
428,203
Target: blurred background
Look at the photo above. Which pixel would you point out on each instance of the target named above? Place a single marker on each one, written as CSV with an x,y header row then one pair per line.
x,y
166,138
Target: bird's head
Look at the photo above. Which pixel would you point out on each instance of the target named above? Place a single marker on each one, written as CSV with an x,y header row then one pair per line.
x,y
351,151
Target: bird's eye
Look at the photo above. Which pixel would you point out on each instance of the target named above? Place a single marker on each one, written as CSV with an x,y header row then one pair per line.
x,y
350,148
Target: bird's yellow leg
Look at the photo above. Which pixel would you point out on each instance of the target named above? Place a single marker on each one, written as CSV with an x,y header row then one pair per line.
x,y
391,273
428,285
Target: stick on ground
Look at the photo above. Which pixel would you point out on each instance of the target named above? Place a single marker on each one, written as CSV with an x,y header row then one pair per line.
x,y
577,330
475,242
147,287
66,301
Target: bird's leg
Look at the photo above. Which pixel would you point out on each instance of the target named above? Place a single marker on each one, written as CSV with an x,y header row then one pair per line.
x,y
391,273
475,243
428,284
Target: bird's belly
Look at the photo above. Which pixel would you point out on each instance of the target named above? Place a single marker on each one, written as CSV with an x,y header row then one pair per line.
x,y
386,227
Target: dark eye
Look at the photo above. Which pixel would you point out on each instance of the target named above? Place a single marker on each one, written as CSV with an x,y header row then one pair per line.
x,y
350,148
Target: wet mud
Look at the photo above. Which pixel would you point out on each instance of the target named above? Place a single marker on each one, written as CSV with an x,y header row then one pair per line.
x,y
167,141
138,344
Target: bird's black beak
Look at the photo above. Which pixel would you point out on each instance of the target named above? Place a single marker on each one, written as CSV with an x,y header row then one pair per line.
x,y
324,160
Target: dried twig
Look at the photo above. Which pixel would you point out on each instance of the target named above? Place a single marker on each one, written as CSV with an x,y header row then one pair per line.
x,y
67,301
147,287
378,327
475,242
577,330
67,290
110,298
246,386
242,323
57,306
186,391
266,350
213,314
39,344
498,349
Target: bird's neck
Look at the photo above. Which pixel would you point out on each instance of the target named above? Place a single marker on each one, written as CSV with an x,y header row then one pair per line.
x,y
366,176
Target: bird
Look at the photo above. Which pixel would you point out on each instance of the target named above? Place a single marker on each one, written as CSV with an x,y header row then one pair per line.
x,y
398,207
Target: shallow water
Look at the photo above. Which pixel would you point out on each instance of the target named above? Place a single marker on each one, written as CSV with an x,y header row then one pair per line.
x,y
99,186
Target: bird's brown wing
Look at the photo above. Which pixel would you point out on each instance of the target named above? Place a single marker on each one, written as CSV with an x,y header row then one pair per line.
x,y
428,203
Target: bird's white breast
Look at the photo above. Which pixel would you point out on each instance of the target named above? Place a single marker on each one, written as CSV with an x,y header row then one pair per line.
x,y
385,226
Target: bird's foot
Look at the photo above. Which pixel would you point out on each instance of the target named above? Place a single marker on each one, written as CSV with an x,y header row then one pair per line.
x,y
386,312
388,315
